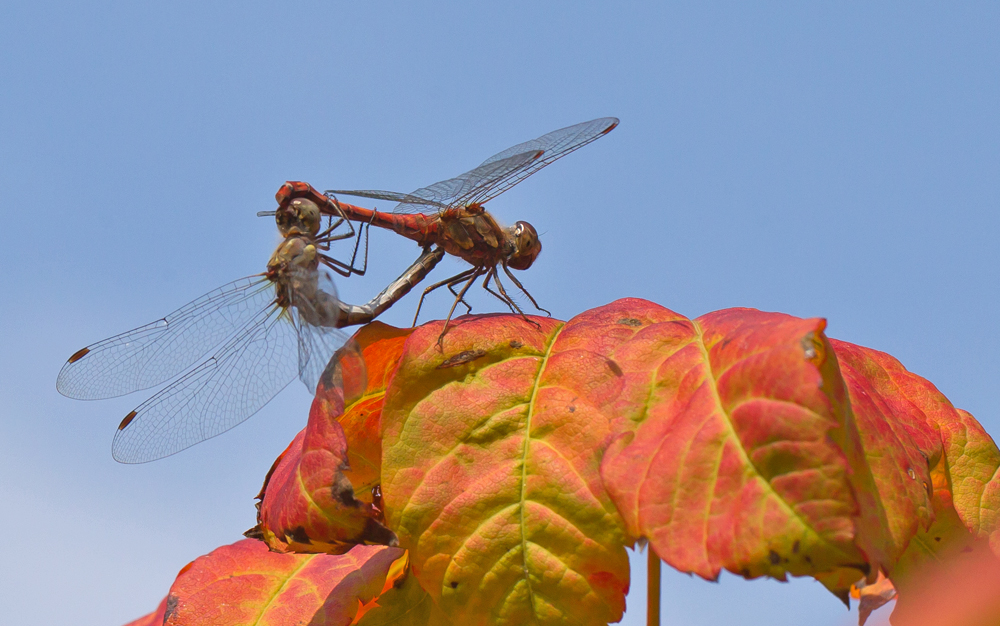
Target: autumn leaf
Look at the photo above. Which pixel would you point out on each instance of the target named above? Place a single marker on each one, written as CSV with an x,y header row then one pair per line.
x,y
490,474
922,451
961,590
735,455
872,597
972,465
402,601
244,583
317,496
899,444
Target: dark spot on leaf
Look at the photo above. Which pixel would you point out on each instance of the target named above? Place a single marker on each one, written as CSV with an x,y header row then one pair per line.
x,y
299,535
966,549
572,409
630,321
937,539
255,533
454,584
462,358
128,420
79,354
514,343
345,495
614,367
808,560
795,547
172,601
773,557
377,534
745,572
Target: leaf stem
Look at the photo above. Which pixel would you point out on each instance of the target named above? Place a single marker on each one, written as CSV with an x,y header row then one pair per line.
x,y
652,587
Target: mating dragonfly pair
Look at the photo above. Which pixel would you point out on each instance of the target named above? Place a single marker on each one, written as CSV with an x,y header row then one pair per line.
x,y
284,323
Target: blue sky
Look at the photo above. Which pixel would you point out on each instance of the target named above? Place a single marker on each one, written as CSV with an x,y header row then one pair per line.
x,y
839,161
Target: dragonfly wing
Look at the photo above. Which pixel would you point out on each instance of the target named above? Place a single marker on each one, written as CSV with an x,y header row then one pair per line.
x,y
315,313
498,173
458,191
452,192
425,204
552,146
221,392
154,353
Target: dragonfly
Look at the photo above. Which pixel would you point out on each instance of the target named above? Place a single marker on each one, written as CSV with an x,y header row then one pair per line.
x,y
266,330
450,214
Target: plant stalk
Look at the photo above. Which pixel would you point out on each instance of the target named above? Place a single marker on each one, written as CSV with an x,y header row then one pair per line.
x,y
652,587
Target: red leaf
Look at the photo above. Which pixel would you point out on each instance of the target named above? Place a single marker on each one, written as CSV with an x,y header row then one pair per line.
x,y
244,583
872,597
491,459
964,590
308,502
919,448
736,460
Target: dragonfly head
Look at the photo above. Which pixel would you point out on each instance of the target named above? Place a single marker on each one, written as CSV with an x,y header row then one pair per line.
x,y
300,216
526,246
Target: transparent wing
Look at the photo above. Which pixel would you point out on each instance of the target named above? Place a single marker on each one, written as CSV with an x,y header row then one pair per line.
x,y
154,353
553,146
316,312
496,174
458,191
392,196
448,193
223,391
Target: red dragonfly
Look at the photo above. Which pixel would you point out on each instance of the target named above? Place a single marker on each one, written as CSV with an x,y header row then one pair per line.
x,y
450,214
269,328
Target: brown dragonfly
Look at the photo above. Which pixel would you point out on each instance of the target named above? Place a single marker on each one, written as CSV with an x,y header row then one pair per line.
x,y
266,329
450,214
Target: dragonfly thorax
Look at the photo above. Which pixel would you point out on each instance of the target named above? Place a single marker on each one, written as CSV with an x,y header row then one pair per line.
x,y
526,246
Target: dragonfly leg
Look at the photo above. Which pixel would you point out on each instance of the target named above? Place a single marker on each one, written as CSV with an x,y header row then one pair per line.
x,y
514,304
347,269
486,285
327,235
451,288
324,238
456,278
338,266
525,291
476,273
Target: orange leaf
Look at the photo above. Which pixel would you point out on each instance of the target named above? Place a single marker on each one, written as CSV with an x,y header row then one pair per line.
x,y
920,448
873,596
244,583
309,503
963,590
490,469
737,456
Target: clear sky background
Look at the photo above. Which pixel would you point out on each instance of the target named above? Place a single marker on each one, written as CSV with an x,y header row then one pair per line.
x,y
840,162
